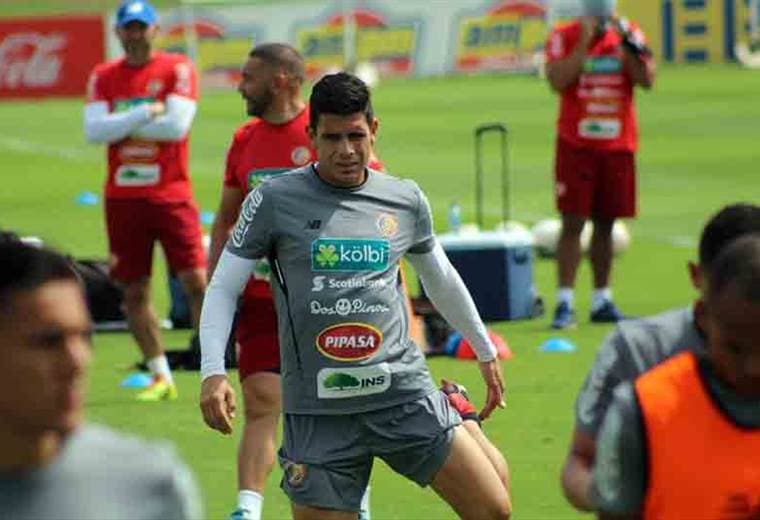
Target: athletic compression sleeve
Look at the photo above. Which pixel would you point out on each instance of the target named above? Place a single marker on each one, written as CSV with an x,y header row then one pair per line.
x,y
450,296
172,125
101,126
219,305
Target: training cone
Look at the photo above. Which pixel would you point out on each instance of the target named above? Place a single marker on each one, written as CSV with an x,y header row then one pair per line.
x,y
87,198
557,345
137,380
207,217
458,347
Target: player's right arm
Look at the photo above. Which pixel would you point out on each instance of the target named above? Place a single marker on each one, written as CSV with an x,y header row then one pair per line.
x,y
608,370
229,208
564,64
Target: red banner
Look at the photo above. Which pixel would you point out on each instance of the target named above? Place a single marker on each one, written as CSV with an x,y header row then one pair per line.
x,y
49,56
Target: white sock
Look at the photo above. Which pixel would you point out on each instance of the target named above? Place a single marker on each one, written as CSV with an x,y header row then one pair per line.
x,y
252,501
565,294
600,297
364,506
159,366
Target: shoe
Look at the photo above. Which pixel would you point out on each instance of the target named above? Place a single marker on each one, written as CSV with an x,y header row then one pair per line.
x,y
564,317
159,390
241,514
607,313
459,401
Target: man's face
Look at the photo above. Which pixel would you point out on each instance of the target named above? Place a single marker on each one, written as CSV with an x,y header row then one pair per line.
x,y
733,336
344,146
256,86
136,38
44,351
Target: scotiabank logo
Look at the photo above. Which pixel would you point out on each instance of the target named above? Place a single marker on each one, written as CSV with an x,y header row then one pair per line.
x,y
349,341
31,60
49,56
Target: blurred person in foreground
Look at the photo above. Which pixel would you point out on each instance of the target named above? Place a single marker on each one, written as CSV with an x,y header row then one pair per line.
x,y
142,106
272,143
51,464
594,63
683,439
636,346
354,385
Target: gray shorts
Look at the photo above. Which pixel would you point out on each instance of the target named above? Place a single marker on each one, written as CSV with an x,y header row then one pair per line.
x,y
327,459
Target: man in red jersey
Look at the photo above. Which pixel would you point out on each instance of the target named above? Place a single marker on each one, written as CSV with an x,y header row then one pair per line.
x,y
594,63
142,106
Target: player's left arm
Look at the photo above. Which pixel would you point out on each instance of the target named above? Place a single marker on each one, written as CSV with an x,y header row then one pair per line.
x,y
638,60
620,470
181,106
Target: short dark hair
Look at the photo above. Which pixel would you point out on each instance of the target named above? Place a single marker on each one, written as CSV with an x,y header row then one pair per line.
x,y
341,94
26,267
728,224
281,55
738,265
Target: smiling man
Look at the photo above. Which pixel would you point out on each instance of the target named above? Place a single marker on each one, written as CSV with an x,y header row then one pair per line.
x,y
354,385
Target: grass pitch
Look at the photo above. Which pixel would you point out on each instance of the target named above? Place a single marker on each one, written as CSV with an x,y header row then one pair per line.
x,y
698,151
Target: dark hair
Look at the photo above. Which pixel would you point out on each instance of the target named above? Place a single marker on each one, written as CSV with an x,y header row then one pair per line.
x,y
8,236
283,56
738,265
728,224
341,94
26,267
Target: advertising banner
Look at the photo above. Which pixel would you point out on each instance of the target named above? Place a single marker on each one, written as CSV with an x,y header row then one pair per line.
x,y
503,36
42,57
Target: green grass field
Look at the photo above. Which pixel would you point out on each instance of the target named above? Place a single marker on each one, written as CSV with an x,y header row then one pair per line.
x,y
699,150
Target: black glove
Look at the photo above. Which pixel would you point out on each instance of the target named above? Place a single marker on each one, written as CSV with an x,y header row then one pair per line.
x,y
632,41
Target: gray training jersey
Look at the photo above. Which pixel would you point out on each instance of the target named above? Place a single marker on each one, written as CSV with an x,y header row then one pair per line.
x,y
335,252
631,349
101,475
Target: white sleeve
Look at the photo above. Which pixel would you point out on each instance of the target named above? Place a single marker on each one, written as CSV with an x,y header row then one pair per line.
x,y
447,291
172,125
101,126
219,305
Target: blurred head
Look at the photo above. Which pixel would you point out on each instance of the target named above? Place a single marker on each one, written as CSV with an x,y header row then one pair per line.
x,y
723,228
342,127
602,8
136,28
272,71
44,341
732,315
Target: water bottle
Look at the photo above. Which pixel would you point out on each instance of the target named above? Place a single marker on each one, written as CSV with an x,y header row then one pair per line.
x,y
455,217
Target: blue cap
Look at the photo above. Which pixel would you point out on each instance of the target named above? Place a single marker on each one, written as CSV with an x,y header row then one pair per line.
x,y
136,11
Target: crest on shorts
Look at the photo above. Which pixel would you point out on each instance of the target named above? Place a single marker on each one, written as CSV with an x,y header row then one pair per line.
x,y
295,473
387,224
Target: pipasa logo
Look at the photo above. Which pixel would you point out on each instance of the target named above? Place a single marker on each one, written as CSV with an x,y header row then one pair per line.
x,y
389,45
349,341
31,59
348,255
340,383
506,37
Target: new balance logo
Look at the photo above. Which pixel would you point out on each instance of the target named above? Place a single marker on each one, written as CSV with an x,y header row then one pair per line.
x,y
314,224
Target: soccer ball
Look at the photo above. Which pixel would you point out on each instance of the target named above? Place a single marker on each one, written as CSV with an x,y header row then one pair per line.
x,y
546,236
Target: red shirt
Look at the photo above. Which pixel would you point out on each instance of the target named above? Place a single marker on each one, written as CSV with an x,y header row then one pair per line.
x,y
137,168
597,111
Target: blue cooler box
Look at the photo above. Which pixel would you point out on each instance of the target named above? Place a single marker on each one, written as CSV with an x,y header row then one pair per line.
x,y
497,268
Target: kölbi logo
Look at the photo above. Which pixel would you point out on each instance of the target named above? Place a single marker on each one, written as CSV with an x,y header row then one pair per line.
x,y
347,255
341,383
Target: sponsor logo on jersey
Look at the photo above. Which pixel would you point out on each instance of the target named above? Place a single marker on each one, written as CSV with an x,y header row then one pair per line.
x,y
349,255
122,105
257,175
314,224
387,224
349,341
599,128
319,283
341,383
346,307
247,212
137,175
138,151
603,65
